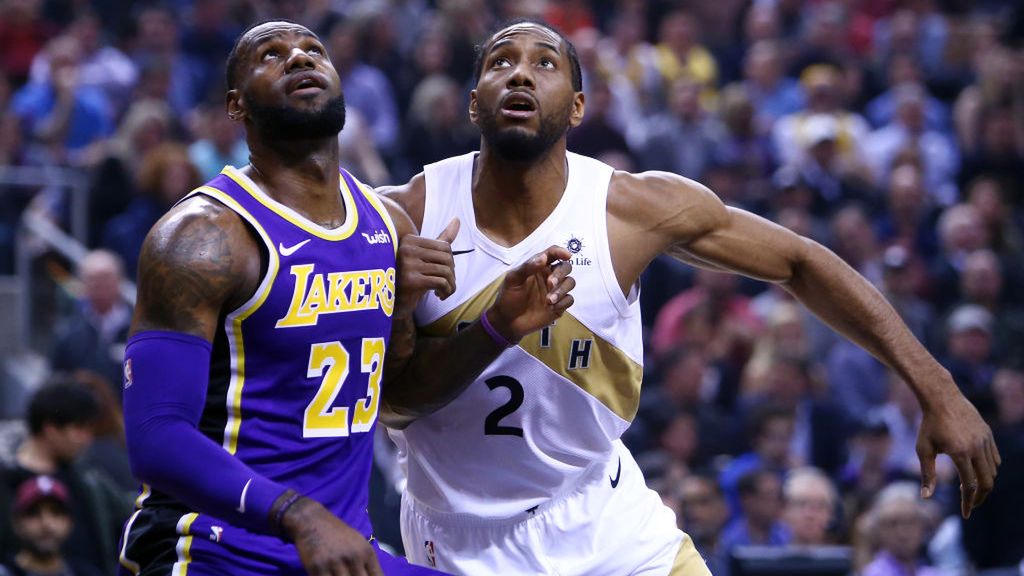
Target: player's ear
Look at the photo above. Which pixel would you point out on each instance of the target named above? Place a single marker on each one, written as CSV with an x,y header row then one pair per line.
x,y
235,105
473,112
576,116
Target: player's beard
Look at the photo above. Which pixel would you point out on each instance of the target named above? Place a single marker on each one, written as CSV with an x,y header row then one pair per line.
x,y
286,123
517,145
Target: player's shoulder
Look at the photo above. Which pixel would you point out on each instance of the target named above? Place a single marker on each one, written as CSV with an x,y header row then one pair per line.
x,y
655,199
410,197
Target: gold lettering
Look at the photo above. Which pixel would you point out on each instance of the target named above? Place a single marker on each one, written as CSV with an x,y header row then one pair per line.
x,y
339,292
294,316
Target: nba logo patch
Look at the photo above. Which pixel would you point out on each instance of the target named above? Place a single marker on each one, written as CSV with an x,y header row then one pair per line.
x,y
428,545
128,373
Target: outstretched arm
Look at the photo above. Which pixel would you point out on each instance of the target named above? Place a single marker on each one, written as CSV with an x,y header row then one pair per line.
x,y
197,261
702,231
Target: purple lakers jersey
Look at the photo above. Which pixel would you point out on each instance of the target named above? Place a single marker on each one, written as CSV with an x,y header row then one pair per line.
x,y
295,378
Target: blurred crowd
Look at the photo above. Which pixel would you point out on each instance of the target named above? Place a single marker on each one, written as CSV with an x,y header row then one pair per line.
x,y
892,131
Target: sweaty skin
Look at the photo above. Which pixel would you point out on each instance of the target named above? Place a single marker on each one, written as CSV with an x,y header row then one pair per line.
x,y
655,212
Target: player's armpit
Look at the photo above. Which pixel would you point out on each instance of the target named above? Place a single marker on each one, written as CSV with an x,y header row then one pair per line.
x,y
197,260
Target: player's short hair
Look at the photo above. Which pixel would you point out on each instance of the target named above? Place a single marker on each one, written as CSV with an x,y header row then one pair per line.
x,y
574,59
62,402
235,56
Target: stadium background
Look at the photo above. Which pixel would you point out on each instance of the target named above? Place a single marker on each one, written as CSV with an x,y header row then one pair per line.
x,y
891,131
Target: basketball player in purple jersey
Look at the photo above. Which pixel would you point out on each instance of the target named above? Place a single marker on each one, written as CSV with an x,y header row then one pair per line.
x,y
253,376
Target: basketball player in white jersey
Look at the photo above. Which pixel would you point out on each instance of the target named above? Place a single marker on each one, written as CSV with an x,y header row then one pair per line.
x,y
513,455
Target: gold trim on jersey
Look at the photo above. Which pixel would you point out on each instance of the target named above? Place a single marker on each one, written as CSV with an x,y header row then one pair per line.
x,y
372,198
233,322
184,546
122,557
609,374
688,561
340,233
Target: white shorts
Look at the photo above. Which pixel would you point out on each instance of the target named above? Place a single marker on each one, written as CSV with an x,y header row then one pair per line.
x,y
600,528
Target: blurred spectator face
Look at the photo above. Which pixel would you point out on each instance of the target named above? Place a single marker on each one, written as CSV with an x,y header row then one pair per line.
x,y
86,30
716,284
910,108
822,84
433,53
854,237
703,508
157,31
970,334
810,501
101,275
737,111
772,443
763,64
797,220
787,330
986,195
764,506
962,229
628,29
680,439
343,44
67,443
41,519
586,41
998,132
1008,388
678,32
64,54
903,69
906,195
874,445
903,32
897,273
900,529
982,278
762,23
684,377
786,381
684,99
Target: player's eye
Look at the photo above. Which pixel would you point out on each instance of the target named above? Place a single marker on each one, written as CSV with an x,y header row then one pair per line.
x,y
271,53
547,63
501,62
316,50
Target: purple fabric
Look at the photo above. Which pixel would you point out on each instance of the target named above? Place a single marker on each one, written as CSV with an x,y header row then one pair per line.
x,y
165,380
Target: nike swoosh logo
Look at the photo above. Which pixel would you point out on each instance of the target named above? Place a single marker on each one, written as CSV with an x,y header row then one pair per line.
x,y
457,252
618,472
241,501
291,249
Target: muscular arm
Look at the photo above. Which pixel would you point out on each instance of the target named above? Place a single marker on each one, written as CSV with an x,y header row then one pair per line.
x,y
672,214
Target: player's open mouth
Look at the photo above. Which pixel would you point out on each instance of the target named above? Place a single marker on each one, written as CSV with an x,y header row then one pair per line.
x,y
306,83
518,105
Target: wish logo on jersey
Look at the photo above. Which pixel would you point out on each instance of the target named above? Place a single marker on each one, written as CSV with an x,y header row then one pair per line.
x,y
334,292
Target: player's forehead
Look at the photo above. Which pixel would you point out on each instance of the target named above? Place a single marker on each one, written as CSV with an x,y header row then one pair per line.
x,y
530,32
268,31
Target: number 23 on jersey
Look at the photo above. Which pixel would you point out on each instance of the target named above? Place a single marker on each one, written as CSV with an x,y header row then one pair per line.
x,y
329,361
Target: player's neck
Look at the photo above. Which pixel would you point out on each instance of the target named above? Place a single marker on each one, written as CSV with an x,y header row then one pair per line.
x,y
511,199
302,175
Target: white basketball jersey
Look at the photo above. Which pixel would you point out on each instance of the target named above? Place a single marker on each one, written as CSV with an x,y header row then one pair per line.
x,y
537,417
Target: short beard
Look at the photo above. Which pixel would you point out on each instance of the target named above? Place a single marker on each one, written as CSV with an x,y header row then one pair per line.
x,y
285,123
517,146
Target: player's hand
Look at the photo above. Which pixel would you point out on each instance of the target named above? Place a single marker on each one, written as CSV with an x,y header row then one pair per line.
x,y
954,427
425,264
534,294
326,545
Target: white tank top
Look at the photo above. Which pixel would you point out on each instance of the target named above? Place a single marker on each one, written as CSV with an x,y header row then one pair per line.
x,y
528,428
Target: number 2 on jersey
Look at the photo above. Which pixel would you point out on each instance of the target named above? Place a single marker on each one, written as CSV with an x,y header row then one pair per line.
x,y
322,419
492,424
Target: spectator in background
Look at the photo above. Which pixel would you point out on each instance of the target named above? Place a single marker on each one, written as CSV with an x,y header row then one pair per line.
x,y
988,195
367,89
824,34
60,417
961,231
744,146
207,34
164,177
437,127
683,138
598,136
100,65
62,114
896,527
908,130
854,240
902,70
220,142
41,520
679,55
172,74
23,34
771,434
703,514
982,283
93,337
909,219
969,334
113,178
773,94
759,522
810,506
869,467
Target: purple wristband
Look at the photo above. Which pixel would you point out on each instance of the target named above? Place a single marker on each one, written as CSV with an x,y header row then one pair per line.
x,y
494,334
284,508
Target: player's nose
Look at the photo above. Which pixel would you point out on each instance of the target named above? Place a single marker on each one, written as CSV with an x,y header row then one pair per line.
x,y
299,59
521,75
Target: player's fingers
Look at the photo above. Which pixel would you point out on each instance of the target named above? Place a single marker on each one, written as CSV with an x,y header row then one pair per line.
x,y
450,231
427,249
994,453
521,273
968,484
562,289
558,271
555,252
563,304
986,478
374,569
926,454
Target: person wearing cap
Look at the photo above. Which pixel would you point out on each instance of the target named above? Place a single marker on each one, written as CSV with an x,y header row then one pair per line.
x,y
969,339
42,521
60,418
